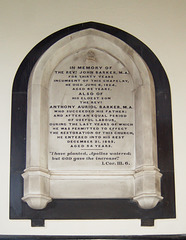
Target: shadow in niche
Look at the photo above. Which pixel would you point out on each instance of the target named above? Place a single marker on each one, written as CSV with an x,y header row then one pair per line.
x,y
92,208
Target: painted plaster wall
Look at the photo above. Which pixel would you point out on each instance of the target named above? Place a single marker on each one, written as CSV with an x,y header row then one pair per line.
x,y
160,24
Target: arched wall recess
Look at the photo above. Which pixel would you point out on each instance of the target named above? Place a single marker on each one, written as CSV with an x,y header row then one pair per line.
x,y
84,62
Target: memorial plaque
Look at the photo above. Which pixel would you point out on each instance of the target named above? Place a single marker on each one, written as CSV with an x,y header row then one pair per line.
x,y
94,135
92,129
91,121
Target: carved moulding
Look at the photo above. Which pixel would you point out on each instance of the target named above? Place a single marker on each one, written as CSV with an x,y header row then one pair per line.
x,y
142,182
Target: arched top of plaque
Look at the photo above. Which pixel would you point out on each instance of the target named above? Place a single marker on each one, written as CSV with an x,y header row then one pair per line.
x,y
94,97
91,39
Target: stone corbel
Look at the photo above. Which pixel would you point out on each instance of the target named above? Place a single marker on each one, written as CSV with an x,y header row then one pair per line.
x,y
147,187
36,187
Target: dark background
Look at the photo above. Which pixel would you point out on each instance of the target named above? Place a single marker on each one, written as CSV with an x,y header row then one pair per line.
x,y
91,208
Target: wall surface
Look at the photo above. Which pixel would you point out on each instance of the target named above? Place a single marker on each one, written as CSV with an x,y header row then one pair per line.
x,y
160,24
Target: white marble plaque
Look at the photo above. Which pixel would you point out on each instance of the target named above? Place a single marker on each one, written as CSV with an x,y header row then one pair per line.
x,y
91,123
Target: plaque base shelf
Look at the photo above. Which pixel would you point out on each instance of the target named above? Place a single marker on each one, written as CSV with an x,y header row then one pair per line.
x,y
142,186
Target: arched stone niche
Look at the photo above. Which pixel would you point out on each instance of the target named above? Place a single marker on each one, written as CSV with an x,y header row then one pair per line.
x,y
138,180
136,175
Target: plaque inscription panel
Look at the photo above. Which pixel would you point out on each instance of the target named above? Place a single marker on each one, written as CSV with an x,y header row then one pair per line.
x,y
91,123
91,114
